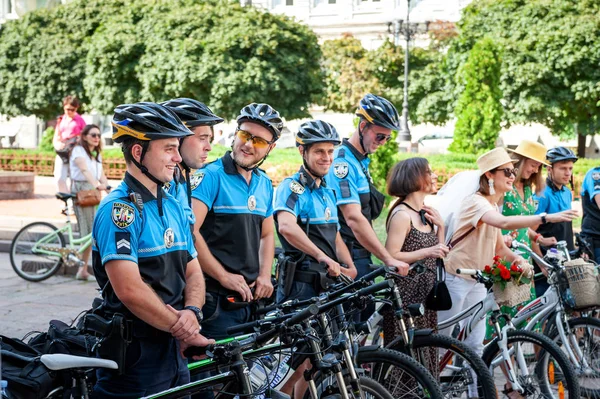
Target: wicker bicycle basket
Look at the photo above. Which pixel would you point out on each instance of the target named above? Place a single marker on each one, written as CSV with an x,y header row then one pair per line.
x,y
584,283
512,294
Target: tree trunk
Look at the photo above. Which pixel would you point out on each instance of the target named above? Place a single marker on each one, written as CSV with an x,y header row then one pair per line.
x,y
581,145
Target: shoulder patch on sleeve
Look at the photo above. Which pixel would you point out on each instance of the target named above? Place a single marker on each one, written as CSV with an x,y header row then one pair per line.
x,y
340,170
345,189
123,242
291,201
196,179
296,187
122,214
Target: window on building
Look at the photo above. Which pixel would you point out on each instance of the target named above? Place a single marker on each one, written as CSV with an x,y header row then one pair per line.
x,y
322,2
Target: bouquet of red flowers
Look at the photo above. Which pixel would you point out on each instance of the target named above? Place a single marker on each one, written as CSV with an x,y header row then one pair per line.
x,y
501,272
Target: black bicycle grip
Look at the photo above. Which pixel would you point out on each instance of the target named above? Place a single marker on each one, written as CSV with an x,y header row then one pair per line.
x,y
198,350
380,271
375,287
240,328
302,315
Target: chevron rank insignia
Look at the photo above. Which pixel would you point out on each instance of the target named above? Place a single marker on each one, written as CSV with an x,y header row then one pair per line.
x,y
296,187
123,242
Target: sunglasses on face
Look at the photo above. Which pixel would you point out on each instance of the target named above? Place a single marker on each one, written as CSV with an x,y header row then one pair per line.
x,y
382,138
94,135
509,172
70,109
257,142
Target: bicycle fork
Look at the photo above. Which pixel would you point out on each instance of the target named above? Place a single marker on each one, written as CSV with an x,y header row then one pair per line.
x,y
506,357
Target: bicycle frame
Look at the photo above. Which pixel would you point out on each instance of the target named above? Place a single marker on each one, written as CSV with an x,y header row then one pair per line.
x,y
82,243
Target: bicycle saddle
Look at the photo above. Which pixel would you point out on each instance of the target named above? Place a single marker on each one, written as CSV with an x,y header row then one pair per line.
x,y
64,196
59,361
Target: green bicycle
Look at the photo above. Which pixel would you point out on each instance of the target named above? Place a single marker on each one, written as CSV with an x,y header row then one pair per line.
x,y
39,249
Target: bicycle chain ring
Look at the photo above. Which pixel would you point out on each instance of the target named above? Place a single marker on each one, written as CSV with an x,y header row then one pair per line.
x,y
64,253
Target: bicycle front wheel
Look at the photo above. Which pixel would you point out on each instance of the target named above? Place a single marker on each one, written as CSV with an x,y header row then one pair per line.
x,y
541,367
34,251
585,344
397,372
371,388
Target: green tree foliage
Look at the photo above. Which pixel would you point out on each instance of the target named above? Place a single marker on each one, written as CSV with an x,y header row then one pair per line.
x,y
550,58
478,109
347,78
110,52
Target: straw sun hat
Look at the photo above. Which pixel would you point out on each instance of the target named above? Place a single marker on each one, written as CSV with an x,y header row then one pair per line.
x,y
492,159
532,150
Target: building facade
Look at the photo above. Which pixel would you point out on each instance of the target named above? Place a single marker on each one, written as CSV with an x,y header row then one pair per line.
x,y
370,21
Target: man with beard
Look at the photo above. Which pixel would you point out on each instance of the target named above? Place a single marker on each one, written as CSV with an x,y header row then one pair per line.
x,y
233,208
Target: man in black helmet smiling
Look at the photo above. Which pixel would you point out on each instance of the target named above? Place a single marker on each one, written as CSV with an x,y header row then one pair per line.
x,y
234,212
358,200
145,262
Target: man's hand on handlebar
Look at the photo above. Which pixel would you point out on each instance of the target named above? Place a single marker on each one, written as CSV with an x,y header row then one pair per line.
x,y
195,340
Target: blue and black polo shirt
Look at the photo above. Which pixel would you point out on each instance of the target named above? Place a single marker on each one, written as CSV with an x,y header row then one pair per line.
x,y
236,210
126,228
553,200
590,225
349,178
312,205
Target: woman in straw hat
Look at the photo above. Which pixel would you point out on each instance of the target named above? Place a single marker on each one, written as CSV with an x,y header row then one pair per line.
x,y
477,237
528,159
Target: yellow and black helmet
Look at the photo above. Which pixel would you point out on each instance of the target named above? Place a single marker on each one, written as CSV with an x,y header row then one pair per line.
x,y
378,111
146,121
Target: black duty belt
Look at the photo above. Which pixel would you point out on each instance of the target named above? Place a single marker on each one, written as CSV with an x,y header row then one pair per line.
x,y
214,287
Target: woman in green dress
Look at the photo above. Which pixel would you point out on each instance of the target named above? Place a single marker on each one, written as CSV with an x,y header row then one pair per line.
x,y
529,157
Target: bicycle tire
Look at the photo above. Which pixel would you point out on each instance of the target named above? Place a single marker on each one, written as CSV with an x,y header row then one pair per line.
x,y
450,383
371,388
594,354
44,266
541,371
378,365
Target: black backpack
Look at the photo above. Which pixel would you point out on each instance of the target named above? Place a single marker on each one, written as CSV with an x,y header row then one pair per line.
x,y
62,338
27,377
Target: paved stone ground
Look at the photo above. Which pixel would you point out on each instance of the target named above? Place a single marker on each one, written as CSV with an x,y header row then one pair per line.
x,y
27,306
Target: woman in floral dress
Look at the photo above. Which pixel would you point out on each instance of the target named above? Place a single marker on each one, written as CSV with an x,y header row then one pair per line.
x,y
415,232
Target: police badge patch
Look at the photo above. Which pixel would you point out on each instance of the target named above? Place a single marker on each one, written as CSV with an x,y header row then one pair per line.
x,y
327,214
169,237
252,203
196,179
340,170
296,187
123,215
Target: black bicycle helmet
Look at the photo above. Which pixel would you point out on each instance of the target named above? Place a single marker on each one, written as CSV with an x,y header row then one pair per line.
x,y
558,154
317,131
192,112
378,111
146,121
264,115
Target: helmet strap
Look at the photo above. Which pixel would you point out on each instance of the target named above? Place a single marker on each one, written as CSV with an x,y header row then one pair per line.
x,y
145,171
360,135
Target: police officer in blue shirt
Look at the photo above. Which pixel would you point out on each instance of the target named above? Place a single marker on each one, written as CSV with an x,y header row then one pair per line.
x,y
358,201
144,258
307,220
233,204
556,197
193,149
590,199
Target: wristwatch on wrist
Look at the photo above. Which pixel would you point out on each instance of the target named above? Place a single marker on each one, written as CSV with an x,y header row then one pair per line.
x,y
543,215
197,311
